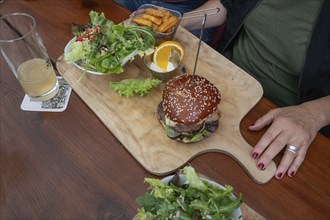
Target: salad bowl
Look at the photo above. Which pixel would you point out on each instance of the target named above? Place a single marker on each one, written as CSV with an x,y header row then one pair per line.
x,y
236,214
187,195
68,49
103,47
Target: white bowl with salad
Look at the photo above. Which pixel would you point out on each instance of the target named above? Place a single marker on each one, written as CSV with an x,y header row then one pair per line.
x,y
188,196
102,47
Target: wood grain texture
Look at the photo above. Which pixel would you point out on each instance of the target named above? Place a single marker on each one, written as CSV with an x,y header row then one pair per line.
x,y
69,165
126,117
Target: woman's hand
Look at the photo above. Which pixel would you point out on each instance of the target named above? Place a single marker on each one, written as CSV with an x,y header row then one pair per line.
x,y
294,125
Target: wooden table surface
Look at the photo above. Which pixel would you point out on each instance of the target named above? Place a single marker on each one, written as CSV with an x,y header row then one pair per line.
x,y
68,165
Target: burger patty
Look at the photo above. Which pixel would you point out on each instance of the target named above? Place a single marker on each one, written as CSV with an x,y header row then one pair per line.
x,y
211,123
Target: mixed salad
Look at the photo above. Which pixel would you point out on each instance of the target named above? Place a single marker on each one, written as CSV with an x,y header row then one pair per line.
x,y
105,47
193,199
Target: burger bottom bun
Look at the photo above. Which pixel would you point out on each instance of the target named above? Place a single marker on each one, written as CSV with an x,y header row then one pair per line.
x,y
188,133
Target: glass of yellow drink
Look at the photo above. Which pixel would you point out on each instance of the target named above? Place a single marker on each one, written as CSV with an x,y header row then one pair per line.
x,y
26,55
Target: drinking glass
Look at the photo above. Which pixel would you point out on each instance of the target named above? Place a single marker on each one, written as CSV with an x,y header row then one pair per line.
x,y
26,55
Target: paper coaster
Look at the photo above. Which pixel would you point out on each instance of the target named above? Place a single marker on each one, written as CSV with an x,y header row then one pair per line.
x,y
56,104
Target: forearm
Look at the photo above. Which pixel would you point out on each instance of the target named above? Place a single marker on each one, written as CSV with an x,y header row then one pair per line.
x,y
211,21
320,110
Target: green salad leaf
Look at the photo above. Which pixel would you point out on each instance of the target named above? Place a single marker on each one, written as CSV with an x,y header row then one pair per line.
x,y
80,50
170,132
193,199
97,19
106,47
130,87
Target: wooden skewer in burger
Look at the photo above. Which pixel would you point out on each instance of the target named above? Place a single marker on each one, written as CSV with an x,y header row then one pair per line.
x,y
189,108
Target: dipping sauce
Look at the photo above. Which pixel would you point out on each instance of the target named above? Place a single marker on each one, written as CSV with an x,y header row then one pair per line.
x,y
154,67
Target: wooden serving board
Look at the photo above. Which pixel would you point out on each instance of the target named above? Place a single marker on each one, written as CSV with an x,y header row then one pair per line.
x,y
133,121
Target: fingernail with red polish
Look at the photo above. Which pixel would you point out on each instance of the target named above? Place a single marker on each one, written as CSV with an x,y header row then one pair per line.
x,y
261,166
255,155
279,175
292,173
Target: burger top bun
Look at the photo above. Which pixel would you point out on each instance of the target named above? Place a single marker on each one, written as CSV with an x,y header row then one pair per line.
x,y
187,102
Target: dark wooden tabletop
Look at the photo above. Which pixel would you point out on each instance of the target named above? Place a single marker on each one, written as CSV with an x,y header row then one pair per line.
x,y
68,165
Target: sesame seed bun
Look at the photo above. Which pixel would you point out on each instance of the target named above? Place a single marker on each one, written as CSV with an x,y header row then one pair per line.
x,y
187,101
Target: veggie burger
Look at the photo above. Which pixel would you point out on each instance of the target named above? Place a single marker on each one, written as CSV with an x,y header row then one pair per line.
x,y
189,108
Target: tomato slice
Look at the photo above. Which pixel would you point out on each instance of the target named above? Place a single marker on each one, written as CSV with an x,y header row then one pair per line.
x,y
89,34
82,37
